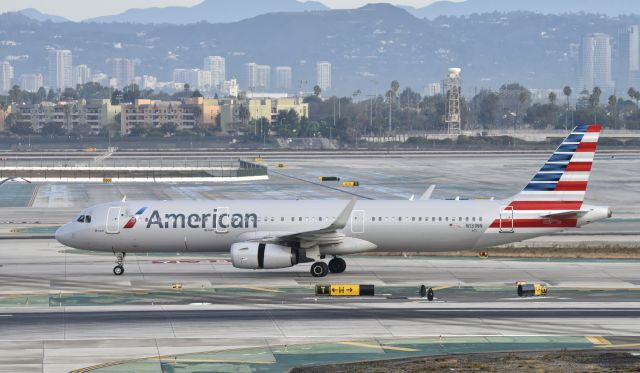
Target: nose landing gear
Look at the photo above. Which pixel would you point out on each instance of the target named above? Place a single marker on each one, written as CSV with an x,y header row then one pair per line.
x,y
118,270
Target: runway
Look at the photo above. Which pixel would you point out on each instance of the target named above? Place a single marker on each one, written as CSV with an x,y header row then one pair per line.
x,y
62,309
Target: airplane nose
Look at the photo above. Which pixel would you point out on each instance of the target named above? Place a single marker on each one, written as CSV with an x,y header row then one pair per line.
x,y
63,235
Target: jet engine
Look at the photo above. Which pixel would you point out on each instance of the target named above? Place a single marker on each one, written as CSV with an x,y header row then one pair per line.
x,y
256,255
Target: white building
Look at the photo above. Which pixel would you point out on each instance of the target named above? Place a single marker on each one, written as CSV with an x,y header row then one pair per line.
x,y
124,71
323,71
632,56
264,76
31,82
60,69
81,75
283,77
148,82
6,76
258,77
216,65
196,78
595,62
230,88
433,89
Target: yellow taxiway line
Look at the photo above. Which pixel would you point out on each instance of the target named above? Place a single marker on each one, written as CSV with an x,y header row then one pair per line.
x,y
598,340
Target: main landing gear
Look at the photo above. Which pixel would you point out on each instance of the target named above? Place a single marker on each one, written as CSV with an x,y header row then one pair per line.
x,y
118,270
321,269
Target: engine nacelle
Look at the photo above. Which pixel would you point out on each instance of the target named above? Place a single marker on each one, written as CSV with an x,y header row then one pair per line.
x,y
255,255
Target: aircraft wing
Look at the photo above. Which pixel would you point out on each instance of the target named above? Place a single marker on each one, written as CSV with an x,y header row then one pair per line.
x,y
323,236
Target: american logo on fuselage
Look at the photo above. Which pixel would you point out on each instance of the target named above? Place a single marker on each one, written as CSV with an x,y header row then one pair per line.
x,y
205,220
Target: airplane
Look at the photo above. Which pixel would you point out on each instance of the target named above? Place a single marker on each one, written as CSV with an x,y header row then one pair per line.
x,y
270,234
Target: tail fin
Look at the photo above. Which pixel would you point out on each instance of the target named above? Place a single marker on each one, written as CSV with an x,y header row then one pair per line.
x,y
562,182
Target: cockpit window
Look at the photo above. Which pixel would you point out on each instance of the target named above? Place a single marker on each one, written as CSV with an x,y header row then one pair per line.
x,y
80,219
87,219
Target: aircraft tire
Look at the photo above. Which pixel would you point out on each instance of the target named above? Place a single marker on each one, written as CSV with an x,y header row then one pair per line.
x,y
319,269
337,265
118,270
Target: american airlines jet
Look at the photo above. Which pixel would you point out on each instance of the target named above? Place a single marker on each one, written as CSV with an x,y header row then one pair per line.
x,y
268,234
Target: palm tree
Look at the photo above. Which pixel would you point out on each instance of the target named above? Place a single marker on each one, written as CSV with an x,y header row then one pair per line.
x,y
634,95
594,100
552,98
567,92
395,86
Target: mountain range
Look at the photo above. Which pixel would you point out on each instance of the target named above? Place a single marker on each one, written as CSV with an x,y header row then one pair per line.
x,y
223,11
368,47
212,11
610,8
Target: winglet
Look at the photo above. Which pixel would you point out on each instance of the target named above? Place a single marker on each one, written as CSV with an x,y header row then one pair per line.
x,y
124,198
428,192
342,219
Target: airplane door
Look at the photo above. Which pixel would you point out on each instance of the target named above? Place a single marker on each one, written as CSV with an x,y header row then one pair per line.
x,y
357,221
113,220
506,219
224,220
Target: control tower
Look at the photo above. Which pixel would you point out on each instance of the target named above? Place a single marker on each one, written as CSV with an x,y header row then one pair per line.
x,y
452,91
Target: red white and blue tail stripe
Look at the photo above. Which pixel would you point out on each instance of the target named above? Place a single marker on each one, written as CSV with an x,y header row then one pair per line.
x,y
562,182
552,200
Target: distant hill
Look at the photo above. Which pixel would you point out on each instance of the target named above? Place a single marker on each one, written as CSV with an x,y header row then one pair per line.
x,y
448,8
39,16
212,11
368,46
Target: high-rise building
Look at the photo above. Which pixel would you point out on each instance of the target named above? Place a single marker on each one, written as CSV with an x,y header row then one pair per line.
x,y
595,62
251,75
283,77
264,76
123,70
31,82
323,70
196,78
60,69
216,65
6,76
81,75
258,77
632,56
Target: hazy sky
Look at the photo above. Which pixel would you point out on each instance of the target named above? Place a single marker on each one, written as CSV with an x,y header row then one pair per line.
x,y
82,9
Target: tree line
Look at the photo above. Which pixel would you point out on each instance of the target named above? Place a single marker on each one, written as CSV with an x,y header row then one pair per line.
x,y
400,110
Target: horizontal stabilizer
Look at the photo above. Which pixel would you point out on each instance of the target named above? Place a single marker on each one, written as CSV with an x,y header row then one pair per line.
x,y
565,214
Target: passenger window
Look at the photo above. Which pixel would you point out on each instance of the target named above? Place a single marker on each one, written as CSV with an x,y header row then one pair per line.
x,y
466,218
320,218
400,218
373,219
480,218
439,218
80,219
473,218
460,218
433,218
446,219
293,219
299,218
379,218
87,219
